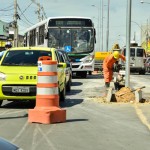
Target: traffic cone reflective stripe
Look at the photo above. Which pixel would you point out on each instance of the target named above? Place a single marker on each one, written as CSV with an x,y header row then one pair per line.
x,y
47,91
47,74
48,68
47,79
47,85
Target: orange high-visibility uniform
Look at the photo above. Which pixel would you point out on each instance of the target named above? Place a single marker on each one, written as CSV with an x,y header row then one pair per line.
x,y
108,66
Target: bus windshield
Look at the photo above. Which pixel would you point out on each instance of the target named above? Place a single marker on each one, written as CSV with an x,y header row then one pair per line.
x,y
72,40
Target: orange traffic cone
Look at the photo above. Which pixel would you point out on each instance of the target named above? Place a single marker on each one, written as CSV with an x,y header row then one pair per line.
x,y
47,108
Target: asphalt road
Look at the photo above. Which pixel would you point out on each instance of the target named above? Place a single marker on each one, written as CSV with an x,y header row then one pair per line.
x,y
91,124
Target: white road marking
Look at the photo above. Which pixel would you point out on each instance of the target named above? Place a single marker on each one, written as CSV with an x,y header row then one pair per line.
x,y
44,136
20,132
141,116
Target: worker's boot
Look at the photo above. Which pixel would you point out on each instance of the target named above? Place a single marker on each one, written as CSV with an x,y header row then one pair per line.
x,y
107,85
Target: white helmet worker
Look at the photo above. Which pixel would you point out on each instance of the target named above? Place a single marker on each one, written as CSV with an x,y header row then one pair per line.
x,y
8,45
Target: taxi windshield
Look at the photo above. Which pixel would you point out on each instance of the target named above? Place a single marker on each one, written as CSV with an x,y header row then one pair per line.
x,y
23,57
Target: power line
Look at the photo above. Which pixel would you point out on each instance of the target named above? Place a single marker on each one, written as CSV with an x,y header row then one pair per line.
x,y
6,9
24,21
24,16
40,17
22,24
7,15
26,9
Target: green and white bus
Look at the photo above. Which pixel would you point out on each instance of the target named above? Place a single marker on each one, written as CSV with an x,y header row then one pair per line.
x,y
75,35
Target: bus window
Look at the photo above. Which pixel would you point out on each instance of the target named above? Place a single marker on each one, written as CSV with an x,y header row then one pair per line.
x,y
32,37
41,35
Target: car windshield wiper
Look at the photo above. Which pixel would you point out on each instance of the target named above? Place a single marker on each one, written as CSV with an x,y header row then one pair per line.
x,y
9,64
20,64
27,64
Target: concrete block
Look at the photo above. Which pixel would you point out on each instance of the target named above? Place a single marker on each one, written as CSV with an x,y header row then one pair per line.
x,y
109,95
138,95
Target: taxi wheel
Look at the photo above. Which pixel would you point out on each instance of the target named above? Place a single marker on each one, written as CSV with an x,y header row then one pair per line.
x,y
63,94
68,86
1,101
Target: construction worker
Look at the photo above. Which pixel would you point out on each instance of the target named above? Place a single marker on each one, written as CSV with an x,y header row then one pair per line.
x,y
108,65
8,45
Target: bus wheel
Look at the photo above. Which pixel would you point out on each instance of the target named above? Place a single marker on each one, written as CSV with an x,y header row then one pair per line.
x,y
90,72
1,101
83,74
142,72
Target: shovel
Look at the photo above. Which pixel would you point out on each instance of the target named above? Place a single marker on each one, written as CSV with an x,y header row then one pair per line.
x,y
130,91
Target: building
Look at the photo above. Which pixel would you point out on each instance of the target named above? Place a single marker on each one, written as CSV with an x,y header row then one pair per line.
x,y
11,36
7,34
4,34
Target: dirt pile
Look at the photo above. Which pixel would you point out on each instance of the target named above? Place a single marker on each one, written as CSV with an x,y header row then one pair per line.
x,y
125,95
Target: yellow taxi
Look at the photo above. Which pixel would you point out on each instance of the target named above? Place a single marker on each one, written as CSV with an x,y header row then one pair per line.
x,y
18,73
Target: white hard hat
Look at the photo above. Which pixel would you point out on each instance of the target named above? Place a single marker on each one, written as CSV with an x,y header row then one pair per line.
x,y
8,44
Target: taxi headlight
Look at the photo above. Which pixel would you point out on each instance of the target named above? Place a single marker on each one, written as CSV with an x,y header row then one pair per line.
x,y
2,76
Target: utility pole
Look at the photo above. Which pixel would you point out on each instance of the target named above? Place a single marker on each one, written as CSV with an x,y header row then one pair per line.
x,y
39,12
40,8
98,9
147,37
102,23
128,36
15,24
107,34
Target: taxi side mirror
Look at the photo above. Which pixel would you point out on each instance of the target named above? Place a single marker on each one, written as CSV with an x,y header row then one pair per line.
x,y
62,65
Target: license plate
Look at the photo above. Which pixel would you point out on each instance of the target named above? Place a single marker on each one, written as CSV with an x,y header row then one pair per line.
x,y
20,89
88,67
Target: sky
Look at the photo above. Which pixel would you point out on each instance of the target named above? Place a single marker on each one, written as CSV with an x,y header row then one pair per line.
x,y
140,15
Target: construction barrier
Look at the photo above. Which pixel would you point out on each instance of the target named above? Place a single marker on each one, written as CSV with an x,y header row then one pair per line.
x,y
47,108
